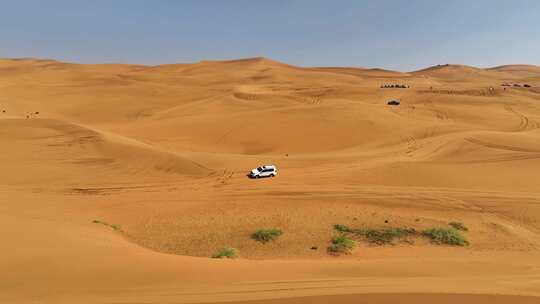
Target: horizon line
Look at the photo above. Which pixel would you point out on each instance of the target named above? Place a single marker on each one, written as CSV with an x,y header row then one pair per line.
x,y
262,58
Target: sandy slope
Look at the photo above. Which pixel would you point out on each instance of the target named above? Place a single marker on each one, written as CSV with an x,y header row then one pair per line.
x,y
162,152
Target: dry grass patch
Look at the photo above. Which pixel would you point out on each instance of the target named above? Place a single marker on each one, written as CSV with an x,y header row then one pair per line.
x,y
385,236
458,226
266,235
446,236
341,244
392,236
226,253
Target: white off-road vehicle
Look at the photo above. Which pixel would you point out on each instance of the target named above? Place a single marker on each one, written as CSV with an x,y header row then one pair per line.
x,y
264,171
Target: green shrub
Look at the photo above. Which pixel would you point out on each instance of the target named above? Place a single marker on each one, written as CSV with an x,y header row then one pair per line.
x,y
341,244
385,236
342,228
445,236
225,253
266,235
458,226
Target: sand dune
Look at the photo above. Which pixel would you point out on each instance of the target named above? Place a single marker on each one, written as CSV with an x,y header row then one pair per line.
x,y
41,151
522,70
120,181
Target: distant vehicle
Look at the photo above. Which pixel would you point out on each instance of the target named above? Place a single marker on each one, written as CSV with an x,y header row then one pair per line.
x,y
264,171
517,85
393,103
526,86
392,86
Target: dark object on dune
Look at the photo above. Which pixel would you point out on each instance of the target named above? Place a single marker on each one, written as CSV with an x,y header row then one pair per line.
x,y
36,113
517,85
526,86
393,103
394,86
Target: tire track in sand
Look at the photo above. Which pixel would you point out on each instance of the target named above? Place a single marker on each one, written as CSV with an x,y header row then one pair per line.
x,y
498,146
525,123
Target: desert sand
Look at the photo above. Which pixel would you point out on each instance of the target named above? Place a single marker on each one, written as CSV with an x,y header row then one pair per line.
x,y
159,156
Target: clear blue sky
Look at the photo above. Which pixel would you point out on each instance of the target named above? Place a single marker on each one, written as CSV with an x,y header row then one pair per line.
x,y
399,34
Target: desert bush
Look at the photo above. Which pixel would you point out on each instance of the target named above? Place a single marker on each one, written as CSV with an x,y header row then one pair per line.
x,y
458,226
384,236
225,253
115,227
341,244
445,236
342,228
266,235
